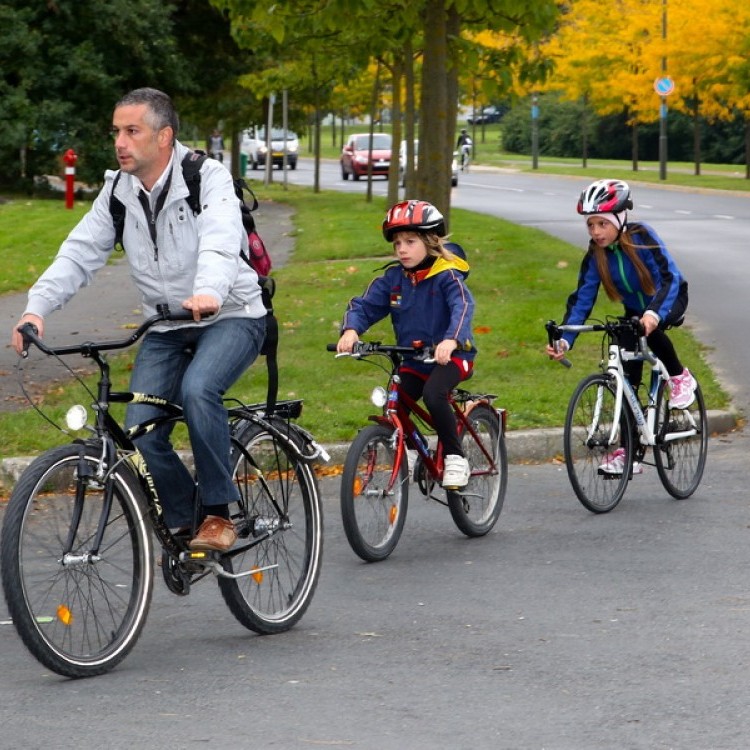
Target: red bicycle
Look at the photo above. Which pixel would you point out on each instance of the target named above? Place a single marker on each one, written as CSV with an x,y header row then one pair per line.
x,y
375,482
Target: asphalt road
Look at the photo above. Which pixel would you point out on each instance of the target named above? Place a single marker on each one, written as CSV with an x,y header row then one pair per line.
x,y
559,630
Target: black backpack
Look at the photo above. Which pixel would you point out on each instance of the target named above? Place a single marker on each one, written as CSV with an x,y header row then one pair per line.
x,y
191,165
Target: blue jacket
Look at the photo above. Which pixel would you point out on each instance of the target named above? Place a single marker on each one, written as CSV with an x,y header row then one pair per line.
x,y
667,278
429,306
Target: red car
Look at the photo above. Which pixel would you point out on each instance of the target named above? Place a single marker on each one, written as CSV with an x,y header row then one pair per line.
x,y
354,157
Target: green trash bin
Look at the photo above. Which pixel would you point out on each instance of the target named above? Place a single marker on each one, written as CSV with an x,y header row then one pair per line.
x,y
243,164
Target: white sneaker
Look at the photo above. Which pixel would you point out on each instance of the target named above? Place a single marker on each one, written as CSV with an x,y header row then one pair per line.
x,y
682,390
456,472
614,463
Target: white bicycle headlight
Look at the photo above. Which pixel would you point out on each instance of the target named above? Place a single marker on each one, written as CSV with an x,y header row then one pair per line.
x,y
76,417
378,396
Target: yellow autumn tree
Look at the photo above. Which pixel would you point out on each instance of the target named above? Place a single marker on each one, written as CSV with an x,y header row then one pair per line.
x,y
610,56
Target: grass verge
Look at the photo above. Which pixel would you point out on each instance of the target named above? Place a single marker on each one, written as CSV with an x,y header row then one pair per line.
x,y
520,277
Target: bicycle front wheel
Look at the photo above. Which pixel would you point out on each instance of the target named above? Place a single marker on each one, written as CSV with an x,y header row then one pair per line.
x,y
280,515
589,442
476,508
681,444
373,512
78,610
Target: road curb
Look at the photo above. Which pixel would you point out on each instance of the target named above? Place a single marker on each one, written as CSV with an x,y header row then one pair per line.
x,y
524,446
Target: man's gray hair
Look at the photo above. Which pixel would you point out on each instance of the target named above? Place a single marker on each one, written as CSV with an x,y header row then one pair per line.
x,y
161,109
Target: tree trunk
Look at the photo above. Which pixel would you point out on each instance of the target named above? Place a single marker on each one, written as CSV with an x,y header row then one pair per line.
x,y
410,187
585,132
697,135
373,113
396,123
433,175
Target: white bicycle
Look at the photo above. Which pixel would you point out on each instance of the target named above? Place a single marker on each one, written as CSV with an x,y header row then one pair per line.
x,y
605,413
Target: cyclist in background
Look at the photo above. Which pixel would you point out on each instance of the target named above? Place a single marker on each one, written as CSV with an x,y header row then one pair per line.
x,y
464,144
635,268
426,296
182,261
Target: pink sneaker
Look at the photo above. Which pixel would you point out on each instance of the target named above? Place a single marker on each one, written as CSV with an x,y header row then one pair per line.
x,y
682,390
614,463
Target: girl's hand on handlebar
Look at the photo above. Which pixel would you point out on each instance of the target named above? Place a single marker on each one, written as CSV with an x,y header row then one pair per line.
x,y
16,339
347,341
558,350
649,323
444,350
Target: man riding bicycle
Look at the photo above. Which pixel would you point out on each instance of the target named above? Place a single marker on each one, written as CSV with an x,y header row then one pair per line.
x,y
186,261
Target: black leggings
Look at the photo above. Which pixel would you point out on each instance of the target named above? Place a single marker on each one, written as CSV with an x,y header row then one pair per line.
x,y
434,391
659,343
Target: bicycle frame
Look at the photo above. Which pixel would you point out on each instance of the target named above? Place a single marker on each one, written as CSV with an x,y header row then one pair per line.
x,y
397,414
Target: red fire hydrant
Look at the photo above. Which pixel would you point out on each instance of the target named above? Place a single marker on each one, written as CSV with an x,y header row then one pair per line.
x,y
70,158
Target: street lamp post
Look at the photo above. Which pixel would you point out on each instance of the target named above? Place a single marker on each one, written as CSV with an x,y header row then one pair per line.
x,y
535,131
663,103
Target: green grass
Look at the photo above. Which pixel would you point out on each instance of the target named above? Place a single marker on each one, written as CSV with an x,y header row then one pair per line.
x,y
520,278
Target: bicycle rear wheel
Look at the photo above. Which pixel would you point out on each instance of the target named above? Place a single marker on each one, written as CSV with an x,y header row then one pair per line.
x,y
680,461
79,611
476,508
587,446
373,515
280,514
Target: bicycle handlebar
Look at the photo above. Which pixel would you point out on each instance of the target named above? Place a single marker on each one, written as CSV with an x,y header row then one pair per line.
x,y
611,327
365,348
30,335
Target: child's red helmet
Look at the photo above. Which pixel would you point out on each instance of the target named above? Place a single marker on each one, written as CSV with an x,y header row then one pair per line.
x,y
413,216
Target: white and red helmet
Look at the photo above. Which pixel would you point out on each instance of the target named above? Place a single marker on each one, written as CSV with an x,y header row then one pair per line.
x,y
605,197
413,216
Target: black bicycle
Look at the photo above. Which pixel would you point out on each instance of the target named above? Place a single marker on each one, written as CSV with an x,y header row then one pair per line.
x,y
77,554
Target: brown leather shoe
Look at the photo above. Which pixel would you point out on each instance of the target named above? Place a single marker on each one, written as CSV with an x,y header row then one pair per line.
x,y
214,534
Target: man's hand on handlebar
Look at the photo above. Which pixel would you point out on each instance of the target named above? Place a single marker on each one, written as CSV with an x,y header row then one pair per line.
x,y
202,305
16,338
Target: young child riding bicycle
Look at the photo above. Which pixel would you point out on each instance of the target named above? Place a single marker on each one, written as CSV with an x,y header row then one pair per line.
x,y
635,267
426,296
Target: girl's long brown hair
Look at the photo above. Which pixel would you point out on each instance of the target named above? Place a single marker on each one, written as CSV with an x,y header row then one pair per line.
x,y
629,248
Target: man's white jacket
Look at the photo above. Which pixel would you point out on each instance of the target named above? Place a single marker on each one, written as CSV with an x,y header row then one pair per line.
x,y
192,255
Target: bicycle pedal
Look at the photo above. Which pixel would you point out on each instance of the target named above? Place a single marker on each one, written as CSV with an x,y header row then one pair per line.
x,y
200,556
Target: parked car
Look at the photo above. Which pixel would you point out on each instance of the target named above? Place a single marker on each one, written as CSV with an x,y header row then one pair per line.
x,y
356,155
486,116
254,145
402,163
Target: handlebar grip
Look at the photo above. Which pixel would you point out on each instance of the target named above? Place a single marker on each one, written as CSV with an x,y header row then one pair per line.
x,y
29,332
330,347
564,361
554,334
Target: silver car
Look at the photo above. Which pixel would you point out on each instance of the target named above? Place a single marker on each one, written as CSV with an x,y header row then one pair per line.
x,y
402,163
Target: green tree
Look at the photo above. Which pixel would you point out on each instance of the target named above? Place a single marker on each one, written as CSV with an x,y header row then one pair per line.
x,y
65,63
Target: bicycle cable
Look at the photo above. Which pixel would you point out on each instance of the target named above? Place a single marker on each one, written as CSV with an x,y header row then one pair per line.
x,y
27,395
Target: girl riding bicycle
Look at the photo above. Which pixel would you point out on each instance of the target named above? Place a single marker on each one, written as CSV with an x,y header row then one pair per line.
x,y
635,267
428,301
